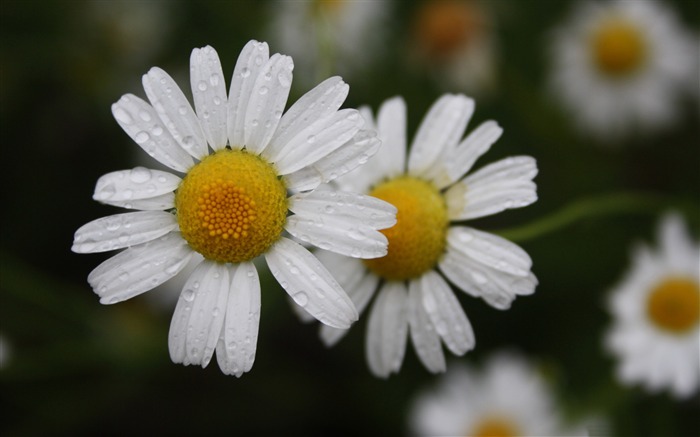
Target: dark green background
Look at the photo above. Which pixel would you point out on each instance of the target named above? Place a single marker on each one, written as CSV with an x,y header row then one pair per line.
x,y
76,366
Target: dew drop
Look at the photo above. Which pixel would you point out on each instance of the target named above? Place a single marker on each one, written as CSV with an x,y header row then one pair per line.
x,y
139,175
157,131
301,298
245,72
284,79
141,137
217,100
311,139
124,276
113,224
188,295
106,192
145,116
122,116
202,85
214,79
263,90
182,110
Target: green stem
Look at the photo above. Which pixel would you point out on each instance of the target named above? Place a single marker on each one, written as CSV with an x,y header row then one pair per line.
x,y
591,208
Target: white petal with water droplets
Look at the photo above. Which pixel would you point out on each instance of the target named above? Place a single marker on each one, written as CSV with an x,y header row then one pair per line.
x,y
425,340
122,230
446,313
360,294
387,330
309,283
199,314
318,140
355,152
499,186
490,250
319,103
267,100
141,122
468,151
140,268
239,338
209,92
439,132
175,111
367,210
497,288
348,272
391,128
251,60
128,187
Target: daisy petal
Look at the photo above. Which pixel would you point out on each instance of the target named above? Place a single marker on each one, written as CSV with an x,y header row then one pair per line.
x,y
347,271
391,127
445,313
490,250
321,102
141,122
360,296
342,160
267,100
367,209
341,222
387,330
128,187
140,268
236,349
498,289
179,324
425,340
122,230
251,60
209,92
505,184
439,131
465,155
209,284
175,112
318,140
310,285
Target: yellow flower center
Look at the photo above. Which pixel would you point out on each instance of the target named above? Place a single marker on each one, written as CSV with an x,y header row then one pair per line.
x,y
618,48
417,240
494,427
674,305
231,207
442,27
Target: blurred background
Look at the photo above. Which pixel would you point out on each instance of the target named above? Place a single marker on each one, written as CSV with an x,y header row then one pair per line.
x,y
71,365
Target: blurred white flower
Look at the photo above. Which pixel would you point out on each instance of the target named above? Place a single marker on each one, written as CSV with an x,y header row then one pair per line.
x,y
324,36
432,187
508,397
455,41
241,158
621,67
656,314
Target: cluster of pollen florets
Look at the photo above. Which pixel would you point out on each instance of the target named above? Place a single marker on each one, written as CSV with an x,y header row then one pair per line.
x,y
417,240
231,207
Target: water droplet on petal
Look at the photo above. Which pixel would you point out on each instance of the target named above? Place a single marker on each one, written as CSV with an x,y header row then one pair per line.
x,y
301,298
141,137
263,90
202,85
214,79
188,295
122,116
139,175
245,72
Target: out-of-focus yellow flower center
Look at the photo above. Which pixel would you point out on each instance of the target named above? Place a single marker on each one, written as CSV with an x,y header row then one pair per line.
x,y
618,48
231,207
494,427
443,26
325,7
674,305
417,240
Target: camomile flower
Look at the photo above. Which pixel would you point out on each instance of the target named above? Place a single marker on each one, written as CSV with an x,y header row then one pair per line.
x,y
655,334
621,66
431,193
454,40
239,159
329,34
508,398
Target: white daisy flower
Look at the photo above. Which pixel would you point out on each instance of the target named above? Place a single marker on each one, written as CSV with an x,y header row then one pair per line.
x,y
454,39
232,204
329,34
507,398
656,311
431,193
621,66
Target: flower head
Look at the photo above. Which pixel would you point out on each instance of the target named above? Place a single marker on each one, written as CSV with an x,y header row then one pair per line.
x,y
508,397
656,314
620,66
240,157
431,193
